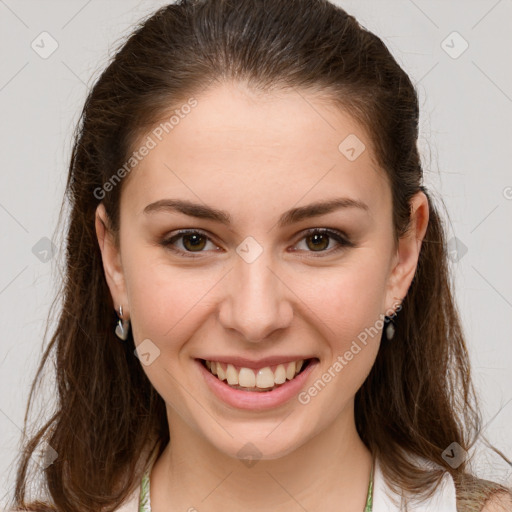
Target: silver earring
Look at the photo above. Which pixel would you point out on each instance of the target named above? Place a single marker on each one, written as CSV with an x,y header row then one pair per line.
x,y
390,321
390,328
123,326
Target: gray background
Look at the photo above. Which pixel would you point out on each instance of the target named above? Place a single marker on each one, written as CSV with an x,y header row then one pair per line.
x,y
466,104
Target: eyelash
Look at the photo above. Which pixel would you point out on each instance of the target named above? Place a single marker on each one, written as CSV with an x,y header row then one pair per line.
x,y
339,237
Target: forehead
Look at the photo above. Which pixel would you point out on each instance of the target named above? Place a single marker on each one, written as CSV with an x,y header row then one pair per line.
x,y
239,146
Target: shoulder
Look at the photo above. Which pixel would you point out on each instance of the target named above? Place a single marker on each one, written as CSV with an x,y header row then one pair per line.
x,y
501,501
131,505
442,499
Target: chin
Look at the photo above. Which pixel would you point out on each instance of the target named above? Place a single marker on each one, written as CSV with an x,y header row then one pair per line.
x,y
256,443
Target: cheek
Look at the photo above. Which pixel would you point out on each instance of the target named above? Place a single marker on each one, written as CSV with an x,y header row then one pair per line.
x,y
348,320
165,307
167,302
163,299
347,299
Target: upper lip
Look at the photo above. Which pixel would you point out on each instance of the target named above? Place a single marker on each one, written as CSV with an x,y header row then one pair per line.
x,y
260,363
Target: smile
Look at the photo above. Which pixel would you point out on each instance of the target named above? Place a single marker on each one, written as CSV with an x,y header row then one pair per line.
x,y
257,386
263,379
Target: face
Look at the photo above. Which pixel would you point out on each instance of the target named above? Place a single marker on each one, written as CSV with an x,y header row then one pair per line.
x,y
259,279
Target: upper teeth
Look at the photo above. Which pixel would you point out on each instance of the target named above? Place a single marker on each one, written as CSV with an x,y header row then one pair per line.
x,y
261,378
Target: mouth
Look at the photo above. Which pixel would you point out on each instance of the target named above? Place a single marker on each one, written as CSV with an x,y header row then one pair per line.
x,y
259,380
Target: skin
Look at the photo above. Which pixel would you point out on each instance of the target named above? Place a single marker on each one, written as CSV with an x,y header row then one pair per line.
x,y
234,152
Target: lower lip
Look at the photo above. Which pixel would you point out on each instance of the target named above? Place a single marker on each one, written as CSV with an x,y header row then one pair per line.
x,y
256,400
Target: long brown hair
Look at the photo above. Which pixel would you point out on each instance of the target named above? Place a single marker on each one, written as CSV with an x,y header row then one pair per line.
x,y
418,398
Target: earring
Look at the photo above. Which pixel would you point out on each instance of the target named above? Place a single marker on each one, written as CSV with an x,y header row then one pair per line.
x,y
123,326
390,328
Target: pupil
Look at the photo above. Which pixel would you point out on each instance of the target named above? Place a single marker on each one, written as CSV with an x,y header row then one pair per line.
x,y
315,239
195,240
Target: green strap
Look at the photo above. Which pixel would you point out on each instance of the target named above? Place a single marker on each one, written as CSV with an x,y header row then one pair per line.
x,y
369,498
145,504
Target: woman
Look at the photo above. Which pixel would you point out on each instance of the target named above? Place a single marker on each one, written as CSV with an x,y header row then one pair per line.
x,y
257,310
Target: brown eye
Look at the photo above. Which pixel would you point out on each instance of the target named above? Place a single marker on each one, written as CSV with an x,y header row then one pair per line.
x,y
192,241
317,240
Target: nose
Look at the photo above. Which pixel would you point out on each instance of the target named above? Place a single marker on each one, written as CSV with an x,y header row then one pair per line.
x,y
257,300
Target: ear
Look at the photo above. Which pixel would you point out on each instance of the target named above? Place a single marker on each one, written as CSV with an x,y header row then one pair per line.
x,y
408,252
111,260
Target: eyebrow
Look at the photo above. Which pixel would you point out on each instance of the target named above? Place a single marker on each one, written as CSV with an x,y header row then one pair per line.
x,y
289,217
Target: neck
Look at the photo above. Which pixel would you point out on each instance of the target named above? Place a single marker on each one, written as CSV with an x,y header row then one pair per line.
x,y
329,470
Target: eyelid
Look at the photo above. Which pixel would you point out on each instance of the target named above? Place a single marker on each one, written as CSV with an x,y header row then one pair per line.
x,y
341,238
168,241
